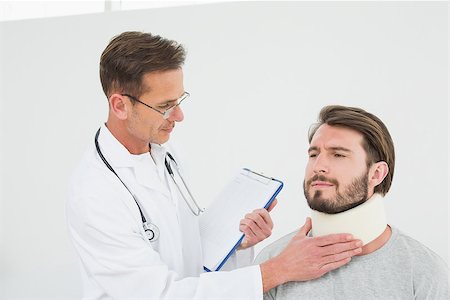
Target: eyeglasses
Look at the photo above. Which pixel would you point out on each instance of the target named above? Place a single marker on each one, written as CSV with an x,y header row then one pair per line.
x,y
166,113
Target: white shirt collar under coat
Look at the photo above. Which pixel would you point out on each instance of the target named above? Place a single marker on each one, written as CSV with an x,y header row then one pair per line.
x,y
366,221
146,169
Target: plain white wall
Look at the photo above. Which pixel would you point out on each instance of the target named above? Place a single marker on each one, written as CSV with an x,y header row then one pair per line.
x,y
258,74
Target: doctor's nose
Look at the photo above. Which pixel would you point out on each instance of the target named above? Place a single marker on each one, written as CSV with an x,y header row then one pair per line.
x,y
176,114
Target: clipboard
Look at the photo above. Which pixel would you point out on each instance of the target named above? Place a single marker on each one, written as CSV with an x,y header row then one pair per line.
x,y
219,224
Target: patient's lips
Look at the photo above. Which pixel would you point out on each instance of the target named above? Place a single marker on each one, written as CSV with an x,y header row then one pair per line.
x,y
321,184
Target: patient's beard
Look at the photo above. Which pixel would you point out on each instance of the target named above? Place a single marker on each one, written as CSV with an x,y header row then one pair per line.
x,y
354,194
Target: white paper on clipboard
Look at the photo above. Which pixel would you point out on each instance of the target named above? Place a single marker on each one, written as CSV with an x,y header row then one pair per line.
x,y
219,224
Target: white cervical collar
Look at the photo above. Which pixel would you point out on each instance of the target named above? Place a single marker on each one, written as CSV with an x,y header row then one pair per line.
x,y
366,221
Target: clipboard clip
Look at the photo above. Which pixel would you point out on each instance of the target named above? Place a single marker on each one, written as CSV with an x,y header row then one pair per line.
x,y
257,176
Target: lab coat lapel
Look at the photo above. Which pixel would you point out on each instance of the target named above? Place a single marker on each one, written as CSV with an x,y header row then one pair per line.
x,y
147,175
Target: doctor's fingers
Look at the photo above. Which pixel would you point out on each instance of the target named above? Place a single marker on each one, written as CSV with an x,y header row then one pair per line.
x,y
251,229
332,239
272,205
305,228
256,228
338,257
261,217
341,250
250,238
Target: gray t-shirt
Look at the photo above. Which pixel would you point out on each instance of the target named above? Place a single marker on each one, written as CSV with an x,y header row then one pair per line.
x,y
402,269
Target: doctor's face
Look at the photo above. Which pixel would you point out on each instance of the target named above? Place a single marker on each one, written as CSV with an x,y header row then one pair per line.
x,y
164,88
336,176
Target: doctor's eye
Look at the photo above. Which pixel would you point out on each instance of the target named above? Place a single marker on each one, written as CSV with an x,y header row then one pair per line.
x,y
338,155
167,105
312,155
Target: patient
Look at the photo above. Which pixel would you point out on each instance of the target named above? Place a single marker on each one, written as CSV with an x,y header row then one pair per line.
x,y
350,169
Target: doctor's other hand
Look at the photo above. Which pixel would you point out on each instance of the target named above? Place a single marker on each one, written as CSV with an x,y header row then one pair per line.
x,y
256,226
306,258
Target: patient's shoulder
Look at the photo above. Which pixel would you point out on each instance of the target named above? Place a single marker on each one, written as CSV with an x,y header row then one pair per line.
x,y
275,248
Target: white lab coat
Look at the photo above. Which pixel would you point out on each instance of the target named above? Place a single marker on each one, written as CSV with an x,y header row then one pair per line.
x,y
117,261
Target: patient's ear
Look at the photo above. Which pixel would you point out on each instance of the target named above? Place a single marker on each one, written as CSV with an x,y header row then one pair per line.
x,y
118,106
377,172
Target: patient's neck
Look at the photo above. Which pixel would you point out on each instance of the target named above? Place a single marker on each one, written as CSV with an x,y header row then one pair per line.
x,y
366,222
377,243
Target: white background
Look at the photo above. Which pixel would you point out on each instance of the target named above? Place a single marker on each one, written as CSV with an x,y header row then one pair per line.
x,y
258,74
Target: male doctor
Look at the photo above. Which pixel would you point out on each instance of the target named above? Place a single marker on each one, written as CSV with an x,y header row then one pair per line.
x,y
134,226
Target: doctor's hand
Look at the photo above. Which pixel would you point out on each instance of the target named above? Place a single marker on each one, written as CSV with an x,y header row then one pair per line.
x,y
257,226
306,258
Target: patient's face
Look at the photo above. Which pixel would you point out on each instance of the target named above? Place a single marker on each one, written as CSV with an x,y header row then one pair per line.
x,y
336,176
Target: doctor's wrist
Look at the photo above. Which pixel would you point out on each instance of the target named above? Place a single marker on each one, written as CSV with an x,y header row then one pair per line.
x,y
273,274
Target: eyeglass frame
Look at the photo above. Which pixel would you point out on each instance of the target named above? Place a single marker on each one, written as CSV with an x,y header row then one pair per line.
x,y
166,114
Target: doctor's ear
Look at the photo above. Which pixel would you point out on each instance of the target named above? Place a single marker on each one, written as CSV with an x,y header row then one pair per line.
x,y
118,106
377,172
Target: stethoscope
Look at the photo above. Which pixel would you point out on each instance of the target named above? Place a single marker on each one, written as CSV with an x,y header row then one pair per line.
x,y
195,210
150,229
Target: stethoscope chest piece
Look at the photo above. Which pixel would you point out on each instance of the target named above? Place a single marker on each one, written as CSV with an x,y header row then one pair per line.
x,y
152,231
